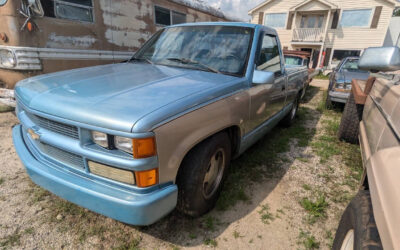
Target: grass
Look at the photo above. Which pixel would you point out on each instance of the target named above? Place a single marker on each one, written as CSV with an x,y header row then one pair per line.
x,y
321,76
1,180
209,223
11,240
316,208
262,160
308,241
236,234
306,187
210,242
132,245
266,215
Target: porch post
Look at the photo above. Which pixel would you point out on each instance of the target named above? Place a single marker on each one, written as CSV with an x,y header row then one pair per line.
x,y
294,25
324,38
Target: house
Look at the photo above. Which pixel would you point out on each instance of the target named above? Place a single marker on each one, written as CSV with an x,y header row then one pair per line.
x,y
329,29
45,36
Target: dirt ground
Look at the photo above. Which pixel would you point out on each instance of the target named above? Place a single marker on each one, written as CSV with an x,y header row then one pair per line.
x,y
287,192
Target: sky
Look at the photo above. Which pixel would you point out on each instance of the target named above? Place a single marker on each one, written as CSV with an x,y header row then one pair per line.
x,y
236,8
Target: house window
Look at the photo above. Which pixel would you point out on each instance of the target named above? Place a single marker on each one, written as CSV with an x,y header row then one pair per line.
x,y
312,21
79,10
356,18
276,20
167,17
338,55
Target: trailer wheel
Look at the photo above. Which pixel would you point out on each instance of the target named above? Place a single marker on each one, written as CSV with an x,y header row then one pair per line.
x,y
202,174
349,124
357,228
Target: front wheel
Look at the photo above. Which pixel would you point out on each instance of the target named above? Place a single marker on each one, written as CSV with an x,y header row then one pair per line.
x,y
357,228
202,174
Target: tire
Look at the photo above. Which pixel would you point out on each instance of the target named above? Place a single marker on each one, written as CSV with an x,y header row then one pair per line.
x,y
358,221
350,123
196,196
288,120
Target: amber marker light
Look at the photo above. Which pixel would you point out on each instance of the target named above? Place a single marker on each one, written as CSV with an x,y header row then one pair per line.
x,y
146,178
144,147
29,25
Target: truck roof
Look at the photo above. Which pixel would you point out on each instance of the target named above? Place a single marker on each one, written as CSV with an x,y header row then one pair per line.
x,y
235,24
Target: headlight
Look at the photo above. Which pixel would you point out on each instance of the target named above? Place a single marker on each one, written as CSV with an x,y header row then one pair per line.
x,y
124,144
139,147
7,58
100,139
2,2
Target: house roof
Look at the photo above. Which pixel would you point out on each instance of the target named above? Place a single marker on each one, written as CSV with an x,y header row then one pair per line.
x,y
394,2
325,2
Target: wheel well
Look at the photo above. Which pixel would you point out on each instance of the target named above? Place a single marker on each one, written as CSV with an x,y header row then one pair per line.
x,y
234,136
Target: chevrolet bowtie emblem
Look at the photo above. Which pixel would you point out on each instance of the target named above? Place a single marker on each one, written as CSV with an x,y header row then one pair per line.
x,y
33,134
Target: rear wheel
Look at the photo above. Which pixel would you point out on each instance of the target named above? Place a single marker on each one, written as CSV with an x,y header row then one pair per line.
x,y
349,124
202,174
289,118
357,228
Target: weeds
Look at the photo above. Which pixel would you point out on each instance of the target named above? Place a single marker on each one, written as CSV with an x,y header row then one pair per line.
x,y
11,240
266,215
210,242
316,209
307,240
1,180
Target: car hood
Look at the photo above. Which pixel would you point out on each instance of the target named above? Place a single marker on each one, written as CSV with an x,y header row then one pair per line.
x,y
117,96
347,76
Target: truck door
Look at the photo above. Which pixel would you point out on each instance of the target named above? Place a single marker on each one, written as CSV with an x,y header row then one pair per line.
x,y
268,99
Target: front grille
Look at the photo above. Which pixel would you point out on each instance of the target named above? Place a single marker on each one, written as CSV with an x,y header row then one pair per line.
x,y
57,127
69,159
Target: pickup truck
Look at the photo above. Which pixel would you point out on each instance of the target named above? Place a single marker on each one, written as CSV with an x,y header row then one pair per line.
x,y
371,117
134,140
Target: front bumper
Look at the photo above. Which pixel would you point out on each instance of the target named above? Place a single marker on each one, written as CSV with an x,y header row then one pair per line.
x,y
336,96
122,205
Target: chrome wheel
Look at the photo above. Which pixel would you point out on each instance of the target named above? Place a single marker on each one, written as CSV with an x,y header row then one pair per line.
x,y
214,173
348,242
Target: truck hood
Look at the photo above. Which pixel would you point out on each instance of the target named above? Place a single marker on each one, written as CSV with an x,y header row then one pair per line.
x,y
349,75
117,96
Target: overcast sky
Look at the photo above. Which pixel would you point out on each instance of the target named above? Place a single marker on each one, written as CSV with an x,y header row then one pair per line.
x,y
236,8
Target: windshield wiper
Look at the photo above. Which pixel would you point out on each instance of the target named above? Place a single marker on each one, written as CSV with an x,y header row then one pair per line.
x,y
141,59
192,62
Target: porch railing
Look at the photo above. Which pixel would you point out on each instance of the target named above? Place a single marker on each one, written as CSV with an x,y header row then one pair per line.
x,y
308,35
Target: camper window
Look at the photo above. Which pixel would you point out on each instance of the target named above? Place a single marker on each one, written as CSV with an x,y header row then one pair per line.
x,y
79,10
167,17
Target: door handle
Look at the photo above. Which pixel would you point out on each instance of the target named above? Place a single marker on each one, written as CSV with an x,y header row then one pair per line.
x,y
283,87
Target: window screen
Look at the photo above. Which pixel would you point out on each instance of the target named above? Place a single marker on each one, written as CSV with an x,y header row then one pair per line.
x,y
80,10
356,18
269,56
163,16
277,20
178,18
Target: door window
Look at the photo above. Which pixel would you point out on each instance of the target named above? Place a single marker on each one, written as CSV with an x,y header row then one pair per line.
x,y
69,9
270,59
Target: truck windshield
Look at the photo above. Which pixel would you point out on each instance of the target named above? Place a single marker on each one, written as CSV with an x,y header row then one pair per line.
x,y
219,49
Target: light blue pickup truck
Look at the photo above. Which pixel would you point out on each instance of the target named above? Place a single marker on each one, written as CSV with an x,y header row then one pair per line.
x,y
134,140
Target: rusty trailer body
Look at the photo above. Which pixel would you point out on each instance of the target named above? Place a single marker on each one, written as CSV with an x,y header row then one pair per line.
x,y
44,36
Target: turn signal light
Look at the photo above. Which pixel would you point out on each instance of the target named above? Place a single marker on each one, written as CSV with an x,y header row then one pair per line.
x,y
146,178
144,147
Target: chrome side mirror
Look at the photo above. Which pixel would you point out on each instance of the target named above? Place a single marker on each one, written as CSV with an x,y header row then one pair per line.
x,y
380,59
263,77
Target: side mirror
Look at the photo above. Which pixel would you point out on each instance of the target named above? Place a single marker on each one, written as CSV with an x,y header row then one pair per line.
x,y
380,59
263,77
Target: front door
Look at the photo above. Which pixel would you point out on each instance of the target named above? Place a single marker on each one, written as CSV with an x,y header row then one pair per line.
x,y
268,99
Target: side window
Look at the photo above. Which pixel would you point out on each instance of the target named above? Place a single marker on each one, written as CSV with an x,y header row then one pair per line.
x,y
270,59
168,17
79,10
